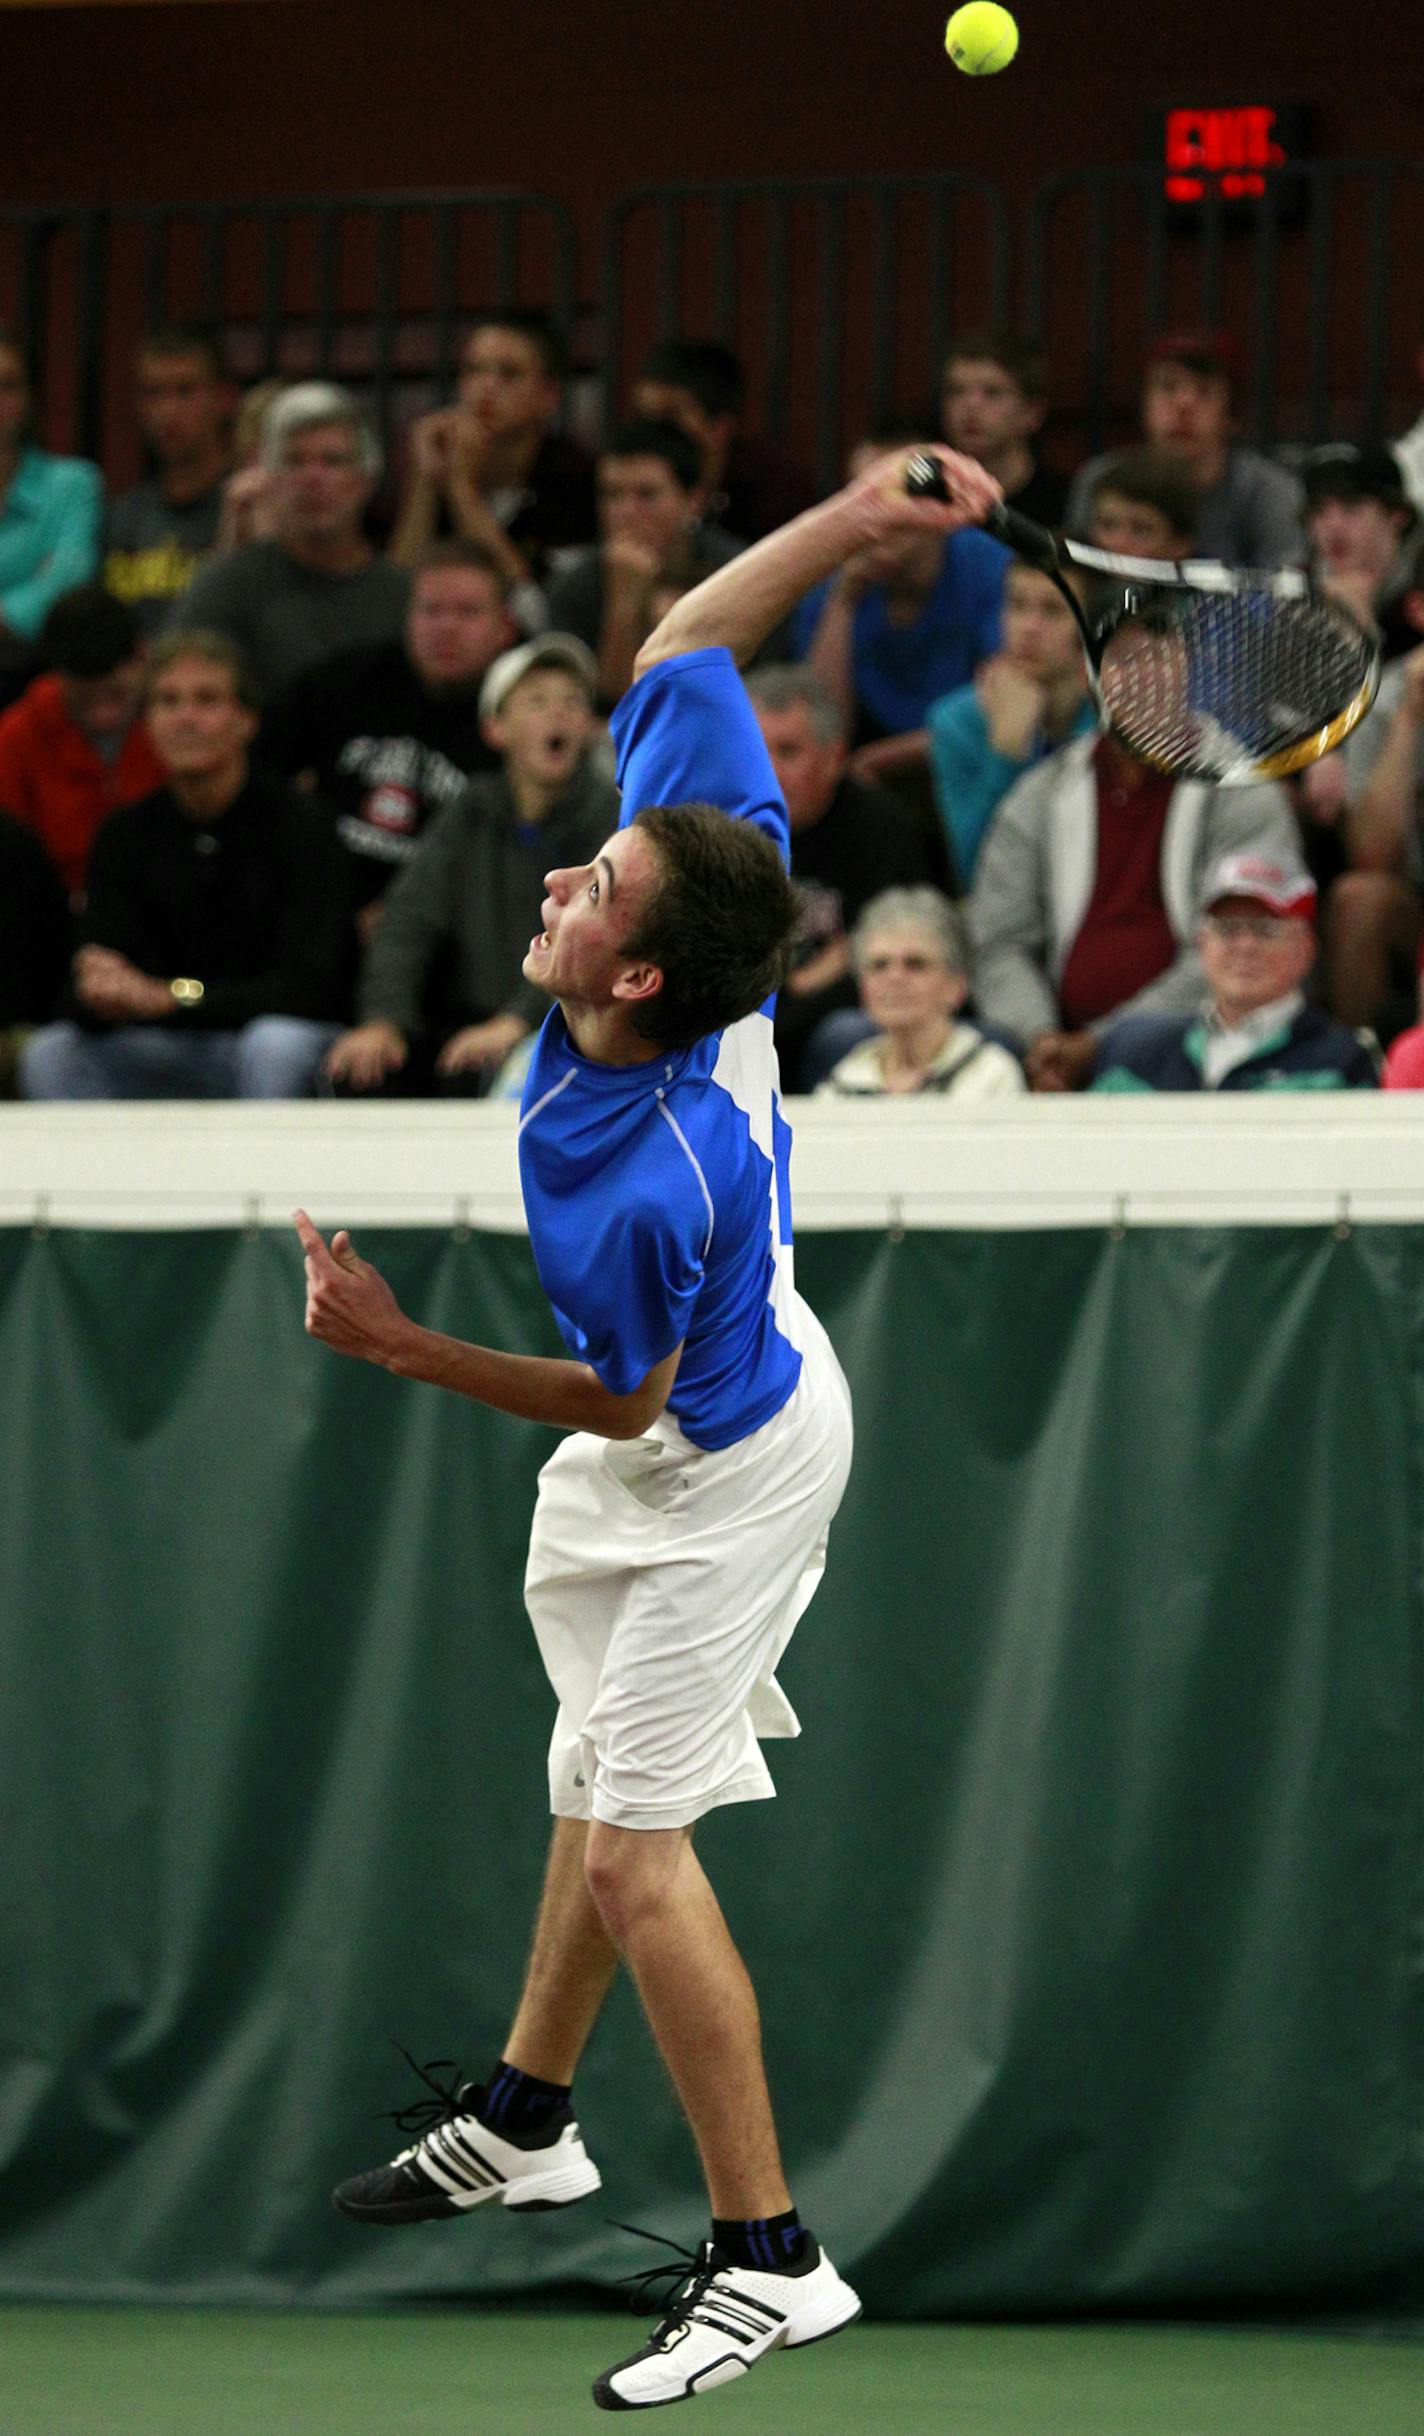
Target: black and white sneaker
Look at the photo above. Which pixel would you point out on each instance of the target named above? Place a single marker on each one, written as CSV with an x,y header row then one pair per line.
x,y
723,2320
458,2163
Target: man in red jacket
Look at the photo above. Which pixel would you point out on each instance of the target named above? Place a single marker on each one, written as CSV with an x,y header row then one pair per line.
x,y
75,747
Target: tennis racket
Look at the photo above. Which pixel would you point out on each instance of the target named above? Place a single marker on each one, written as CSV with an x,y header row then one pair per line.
x,y
1235,675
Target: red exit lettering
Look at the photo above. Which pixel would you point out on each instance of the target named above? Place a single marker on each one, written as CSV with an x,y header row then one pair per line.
x,y
1232,146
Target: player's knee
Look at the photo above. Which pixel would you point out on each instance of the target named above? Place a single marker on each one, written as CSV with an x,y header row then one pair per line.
x,y
627,1876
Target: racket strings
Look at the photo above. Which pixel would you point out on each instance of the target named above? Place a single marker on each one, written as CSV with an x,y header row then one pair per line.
x,y
1227,685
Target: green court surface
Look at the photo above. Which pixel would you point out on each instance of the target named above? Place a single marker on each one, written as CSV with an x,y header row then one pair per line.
x,y
138,2372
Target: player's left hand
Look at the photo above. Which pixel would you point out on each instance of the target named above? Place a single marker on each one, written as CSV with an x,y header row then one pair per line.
x,y
349,1304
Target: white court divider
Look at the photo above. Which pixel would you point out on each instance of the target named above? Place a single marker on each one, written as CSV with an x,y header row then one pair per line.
x,y
1245,1159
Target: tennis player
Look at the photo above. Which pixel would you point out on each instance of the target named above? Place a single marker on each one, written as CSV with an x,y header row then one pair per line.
x,y
680,1528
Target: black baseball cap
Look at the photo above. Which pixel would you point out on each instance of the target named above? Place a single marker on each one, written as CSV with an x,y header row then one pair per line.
x,y
1347,470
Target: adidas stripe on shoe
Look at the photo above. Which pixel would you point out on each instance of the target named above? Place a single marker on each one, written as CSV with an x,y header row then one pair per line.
x,y
723,2320
458,2164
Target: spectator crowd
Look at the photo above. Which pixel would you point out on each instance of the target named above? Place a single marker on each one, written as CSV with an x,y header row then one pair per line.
x,y
288,739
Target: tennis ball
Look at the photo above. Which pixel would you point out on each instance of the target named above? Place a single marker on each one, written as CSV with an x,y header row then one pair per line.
x,y
981,38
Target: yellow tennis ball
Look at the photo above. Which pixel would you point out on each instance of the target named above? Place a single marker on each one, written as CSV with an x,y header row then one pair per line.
x,y
981,38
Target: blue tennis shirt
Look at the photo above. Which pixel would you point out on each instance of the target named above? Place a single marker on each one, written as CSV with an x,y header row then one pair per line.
x,y
657,1195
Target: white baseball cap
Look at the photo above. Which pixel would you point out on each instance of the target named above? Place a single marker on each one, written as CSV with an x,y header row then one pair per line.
x,y
545,651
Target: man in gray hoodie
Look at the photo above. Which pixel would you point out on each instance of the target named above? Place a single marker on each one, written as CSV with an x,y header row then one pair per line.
x,y
1084,906
442,1000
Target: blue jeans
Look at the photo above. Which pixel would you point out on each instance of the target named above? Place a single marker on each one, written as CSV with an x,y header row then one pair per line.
x,y
275,1057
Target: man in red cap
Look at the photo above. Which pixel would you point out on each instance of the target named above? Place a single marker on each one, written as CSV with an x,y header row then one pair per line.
x,y
1248,508
1256,940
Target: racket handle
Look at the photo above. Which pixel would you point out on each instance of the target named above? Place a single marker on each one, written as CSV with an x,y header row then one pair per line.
x,y
924,479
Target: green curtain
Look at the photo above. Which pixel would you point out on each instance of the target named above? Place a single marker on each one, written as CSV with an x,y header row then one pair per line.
x,y
1089,1924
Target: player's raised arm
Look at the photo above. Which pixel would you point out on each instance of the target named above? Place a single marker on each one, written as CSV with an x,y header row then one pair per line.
x,y
739,605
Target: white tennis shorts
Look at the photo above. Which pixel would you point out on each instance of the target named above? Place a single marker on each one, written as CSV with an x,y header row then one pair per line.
x,y
663,1584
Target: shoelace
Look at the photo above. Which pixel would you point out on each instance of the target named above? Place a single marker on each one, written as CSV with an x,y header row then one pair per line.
x,y
687,2275
423,2114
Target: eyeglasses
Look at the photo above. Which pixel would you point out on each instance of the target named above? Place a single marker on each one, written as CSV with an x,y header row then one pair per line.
x,y
1269,930
905,964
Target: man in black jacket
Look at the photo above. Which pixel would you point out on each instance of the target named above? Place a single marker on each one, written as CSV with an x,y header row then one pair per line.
x,y
443,1001
34,937
849,840
213,962
387,734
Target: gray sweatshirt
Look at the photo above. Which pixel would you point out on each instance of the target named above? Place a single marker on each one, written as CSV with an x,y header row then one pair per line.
x,y
1034,881
463,910
1250,518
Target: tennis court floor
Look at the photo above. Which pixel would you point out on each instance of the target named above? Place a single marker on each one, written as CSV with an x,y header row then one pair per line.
x,y
70,2371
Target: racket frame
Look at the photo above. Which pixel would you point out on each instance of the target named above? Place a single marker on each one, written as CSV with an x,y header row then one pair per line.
x,y
1042,550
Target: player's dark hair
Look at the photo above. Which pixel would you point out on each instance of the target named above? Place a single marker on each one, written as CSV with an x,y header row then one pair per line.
x,y
1022,358
188,341
542,334
719,922
709,371
650,436
88,633
205,643
1149,477
456,552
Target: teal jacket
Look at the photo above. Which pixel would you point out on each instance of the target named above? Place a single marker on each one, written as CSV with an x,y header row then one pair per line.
x,y
1168,1053
49,535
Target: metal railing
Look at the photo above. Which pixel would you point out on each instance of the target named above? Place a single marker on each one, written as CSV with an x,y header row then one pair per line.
x,y
369,289
1316,279
839,293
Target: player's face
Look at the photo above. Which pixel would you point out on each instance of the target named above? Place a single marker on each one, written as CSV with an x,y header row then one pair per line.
x,y
1040,635
1134,529
1251,955
589,910
196,721
504,388
984,410
321,488
455,626
808,768
183,409
640,499
905,982
14,397
1188,413
1355,536
544,728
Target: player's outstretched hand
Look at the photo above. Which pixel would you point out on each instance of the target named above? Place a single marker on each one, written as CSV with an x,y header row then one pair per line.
x,y
972,492
349,1305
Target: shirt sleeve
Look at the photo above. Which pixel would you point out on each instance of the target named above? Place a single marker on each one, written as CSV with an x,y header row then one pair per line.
x,y
971,777
66,545
687,733
637,1296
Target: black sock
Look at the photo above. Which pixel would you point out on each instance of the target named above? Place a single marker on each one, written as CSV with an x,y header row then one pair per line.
x,y
515,2103
777,2243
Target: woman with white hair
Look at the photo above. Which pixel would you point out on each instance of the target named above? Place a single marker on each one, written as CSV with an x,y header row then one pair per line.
x,y
911,958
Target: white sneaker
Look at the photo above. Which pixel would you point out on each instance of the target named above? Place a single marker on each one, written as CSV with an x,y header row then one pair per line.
x,y
460,2163
723,2320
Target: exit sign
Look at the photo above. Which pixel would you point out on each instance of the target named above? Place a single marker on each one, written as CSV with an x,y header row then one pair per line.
x,y
1233,153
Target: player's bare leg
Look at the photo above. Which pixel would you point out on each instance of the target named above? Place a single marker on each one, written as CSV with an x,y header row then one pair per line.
x,y
571,1966
653,1895
762,2283
513,2139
